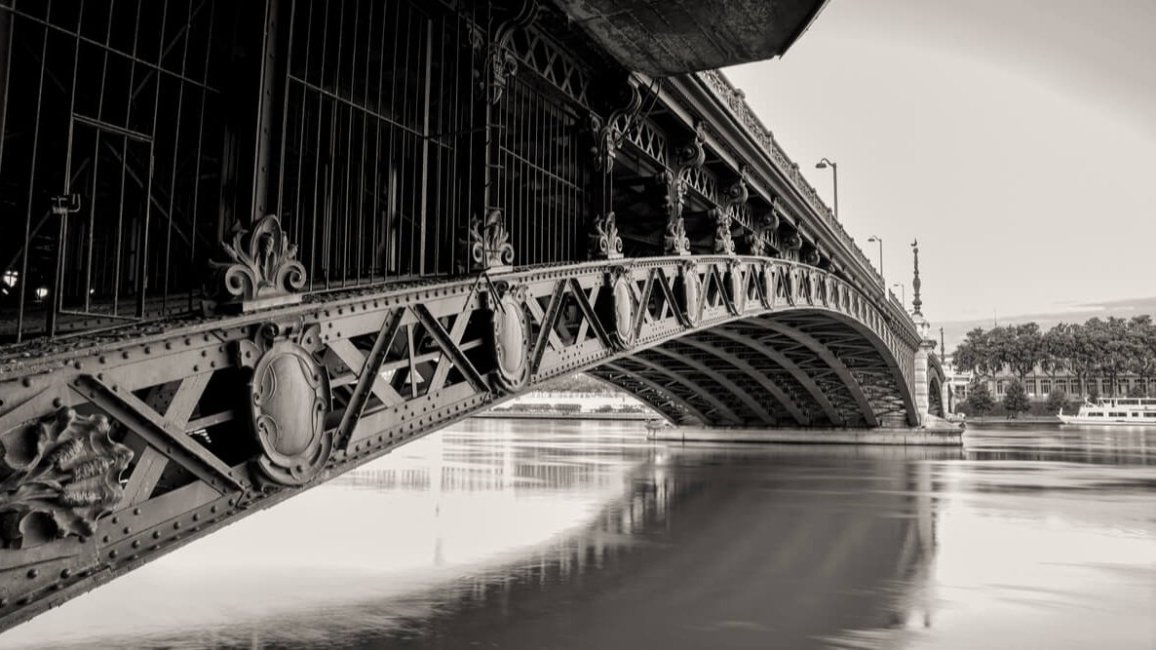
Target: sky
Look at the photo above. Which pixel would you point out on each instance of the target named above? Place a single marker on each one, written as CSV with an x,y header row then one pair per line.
x,y
1016,139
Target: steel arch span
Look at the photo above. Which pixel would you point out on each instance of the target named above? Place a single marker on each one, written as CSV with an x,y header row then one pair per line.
x,y
120,447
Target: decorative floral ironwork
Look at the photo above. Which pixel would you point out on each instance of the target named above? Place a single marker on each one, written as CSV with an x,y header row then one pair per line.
x,y
688,157
604,240
490,245
793,242
61,475
724,243
675,241
503,61
608,136
264,270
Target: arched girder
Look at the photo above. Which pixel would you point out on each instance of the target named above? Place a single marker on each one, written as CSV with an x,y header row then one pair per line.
x,y
723,382
661,399
824,353
886,355
755,374
696,389
805,380
670,395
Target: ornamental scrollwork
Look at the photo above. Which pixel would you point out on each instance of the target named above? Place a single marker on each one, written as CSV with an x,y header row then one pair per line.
x,y
61,475
724,244
675,241
812,257
605,243
489,242
608,136
688,157
502,61
264,269
793,242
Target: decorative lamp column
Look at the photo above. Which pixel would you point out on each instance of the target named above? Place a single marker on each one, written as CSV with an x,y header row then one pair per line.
x,y
926,343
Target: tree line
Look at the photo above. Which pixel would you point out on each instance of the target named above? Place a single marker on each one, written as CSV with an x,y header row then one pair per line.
x,y
1109,348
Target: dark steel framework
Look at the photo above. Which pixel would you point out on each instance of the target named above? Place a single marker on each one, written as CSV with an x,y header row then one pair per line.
x,y
404,212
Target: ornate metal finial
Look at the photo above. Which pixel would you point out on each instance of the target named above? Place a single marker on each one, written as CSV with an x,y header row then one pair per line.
x,y
916,303
605,244
724,243
263,270
675,241
490,245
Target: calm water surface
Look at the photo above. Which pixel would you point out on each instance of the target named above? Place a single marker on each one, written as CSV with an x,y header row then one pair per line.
x,y
525,534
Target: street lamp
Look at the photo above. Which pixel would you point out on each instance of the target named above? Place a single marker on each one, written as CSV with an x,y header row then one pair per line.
x,y
879,240
822,164
902,293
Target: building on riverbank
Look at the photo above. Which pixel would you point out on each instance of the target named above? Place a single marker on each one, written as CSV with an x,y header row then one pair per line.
x,y
1040,384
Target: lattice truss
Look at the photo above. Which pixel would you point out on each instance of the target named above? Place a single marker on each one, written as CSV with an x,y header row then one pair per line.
x,y
122,446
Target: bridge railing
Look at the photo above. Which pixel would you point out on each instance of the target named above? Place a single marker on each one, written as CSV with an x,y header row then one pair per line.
x,y
734,99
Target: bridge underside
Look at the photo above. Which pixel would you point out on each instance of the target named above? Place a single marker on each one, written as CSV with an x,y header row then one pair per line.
x,y
796,370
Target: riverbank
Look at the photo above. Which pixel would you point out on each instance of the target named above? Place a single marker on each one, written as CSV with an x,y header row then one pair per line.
x,y
1026,420
559,415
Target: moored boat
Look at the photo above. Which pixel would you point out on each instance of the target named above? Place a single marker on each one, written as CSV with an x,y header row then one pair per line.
x,y
1114,410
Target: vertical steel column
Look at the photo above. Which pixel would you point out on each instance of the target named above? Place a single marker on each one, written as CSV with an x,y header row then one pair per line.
x,y
264,123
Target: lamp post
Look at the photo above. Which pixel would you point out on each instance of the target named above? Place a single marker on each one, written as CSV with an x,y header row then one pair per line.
x,y
879,240
822,164
902,293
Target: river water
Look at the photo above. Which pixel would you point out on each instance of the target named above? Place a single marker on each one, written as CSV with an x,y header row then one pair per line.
x,y
539,534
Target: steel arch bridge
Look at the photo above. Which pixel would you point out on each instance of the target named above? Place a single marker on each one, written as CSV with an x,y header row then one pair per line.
x,y
356,215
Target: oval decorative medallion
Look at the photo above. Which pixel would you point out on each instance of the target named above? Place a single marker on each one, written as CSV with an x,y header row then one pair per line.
x,y
289,397
738,294
510,343
768,286
623,311
691,293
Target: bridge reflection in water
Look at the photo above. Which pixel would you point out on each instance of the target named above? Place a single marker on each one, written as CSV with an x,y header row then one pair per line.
x,y
531,534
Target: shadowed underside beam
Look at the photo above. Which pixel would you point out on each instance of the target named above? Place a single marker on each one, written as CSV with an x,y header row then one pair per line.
x,y
725,383
790,367
666,392
696,390
754,374
824,353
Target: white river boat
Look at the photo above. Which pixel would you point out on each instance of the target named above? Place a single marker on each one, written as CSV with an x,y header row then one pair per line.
x,y
1134,411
